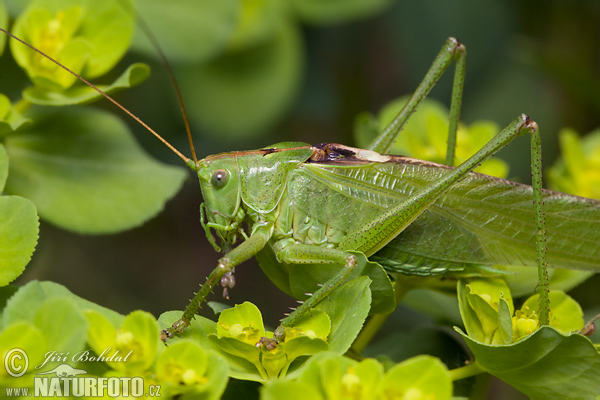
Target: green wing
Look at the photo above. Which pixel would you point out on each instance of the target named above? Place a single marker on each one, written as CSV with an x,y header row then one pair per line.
x,y
480,221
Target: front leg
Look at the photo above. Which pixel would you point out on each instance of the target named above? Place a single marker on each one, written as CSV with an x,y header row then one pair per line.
x,y
259,238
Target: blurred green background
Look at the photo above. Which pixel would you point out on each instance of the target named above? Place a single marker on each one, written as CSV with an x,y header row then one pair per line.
x,y
302,70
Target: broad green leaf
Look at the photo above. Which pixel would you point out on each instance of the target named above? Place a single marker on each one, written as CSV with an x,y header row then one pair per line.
x,y
134,75
187,371
347,307
421,377
332,11
84,171
25,303
547,365
18,235
63,324
243,92
187,31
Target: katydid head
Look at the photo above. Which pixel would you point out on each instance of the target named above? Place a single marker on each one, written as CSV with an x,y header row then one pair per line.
x,y
220,185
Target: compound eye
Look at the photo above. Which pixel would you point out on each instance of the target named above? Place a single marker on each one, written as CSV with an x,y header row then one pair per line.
x,y
219,178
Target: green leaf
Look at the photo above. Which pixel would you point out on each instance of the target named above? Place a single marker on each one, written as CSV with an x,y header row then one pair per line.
x,y
347,307
23,305
59,318
63,324
332,11
243,92
18,234
193,31
547,365
186,371
85,172
421,377
134,75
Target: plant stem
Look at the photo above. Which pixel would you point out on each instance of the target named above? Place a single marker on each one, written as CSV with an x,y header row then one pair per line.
x,y
466,371
372,327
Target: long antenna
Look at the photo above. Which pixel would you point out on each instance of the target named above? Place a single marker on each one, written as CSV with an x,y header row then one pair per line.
x,y
173,149
158,48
